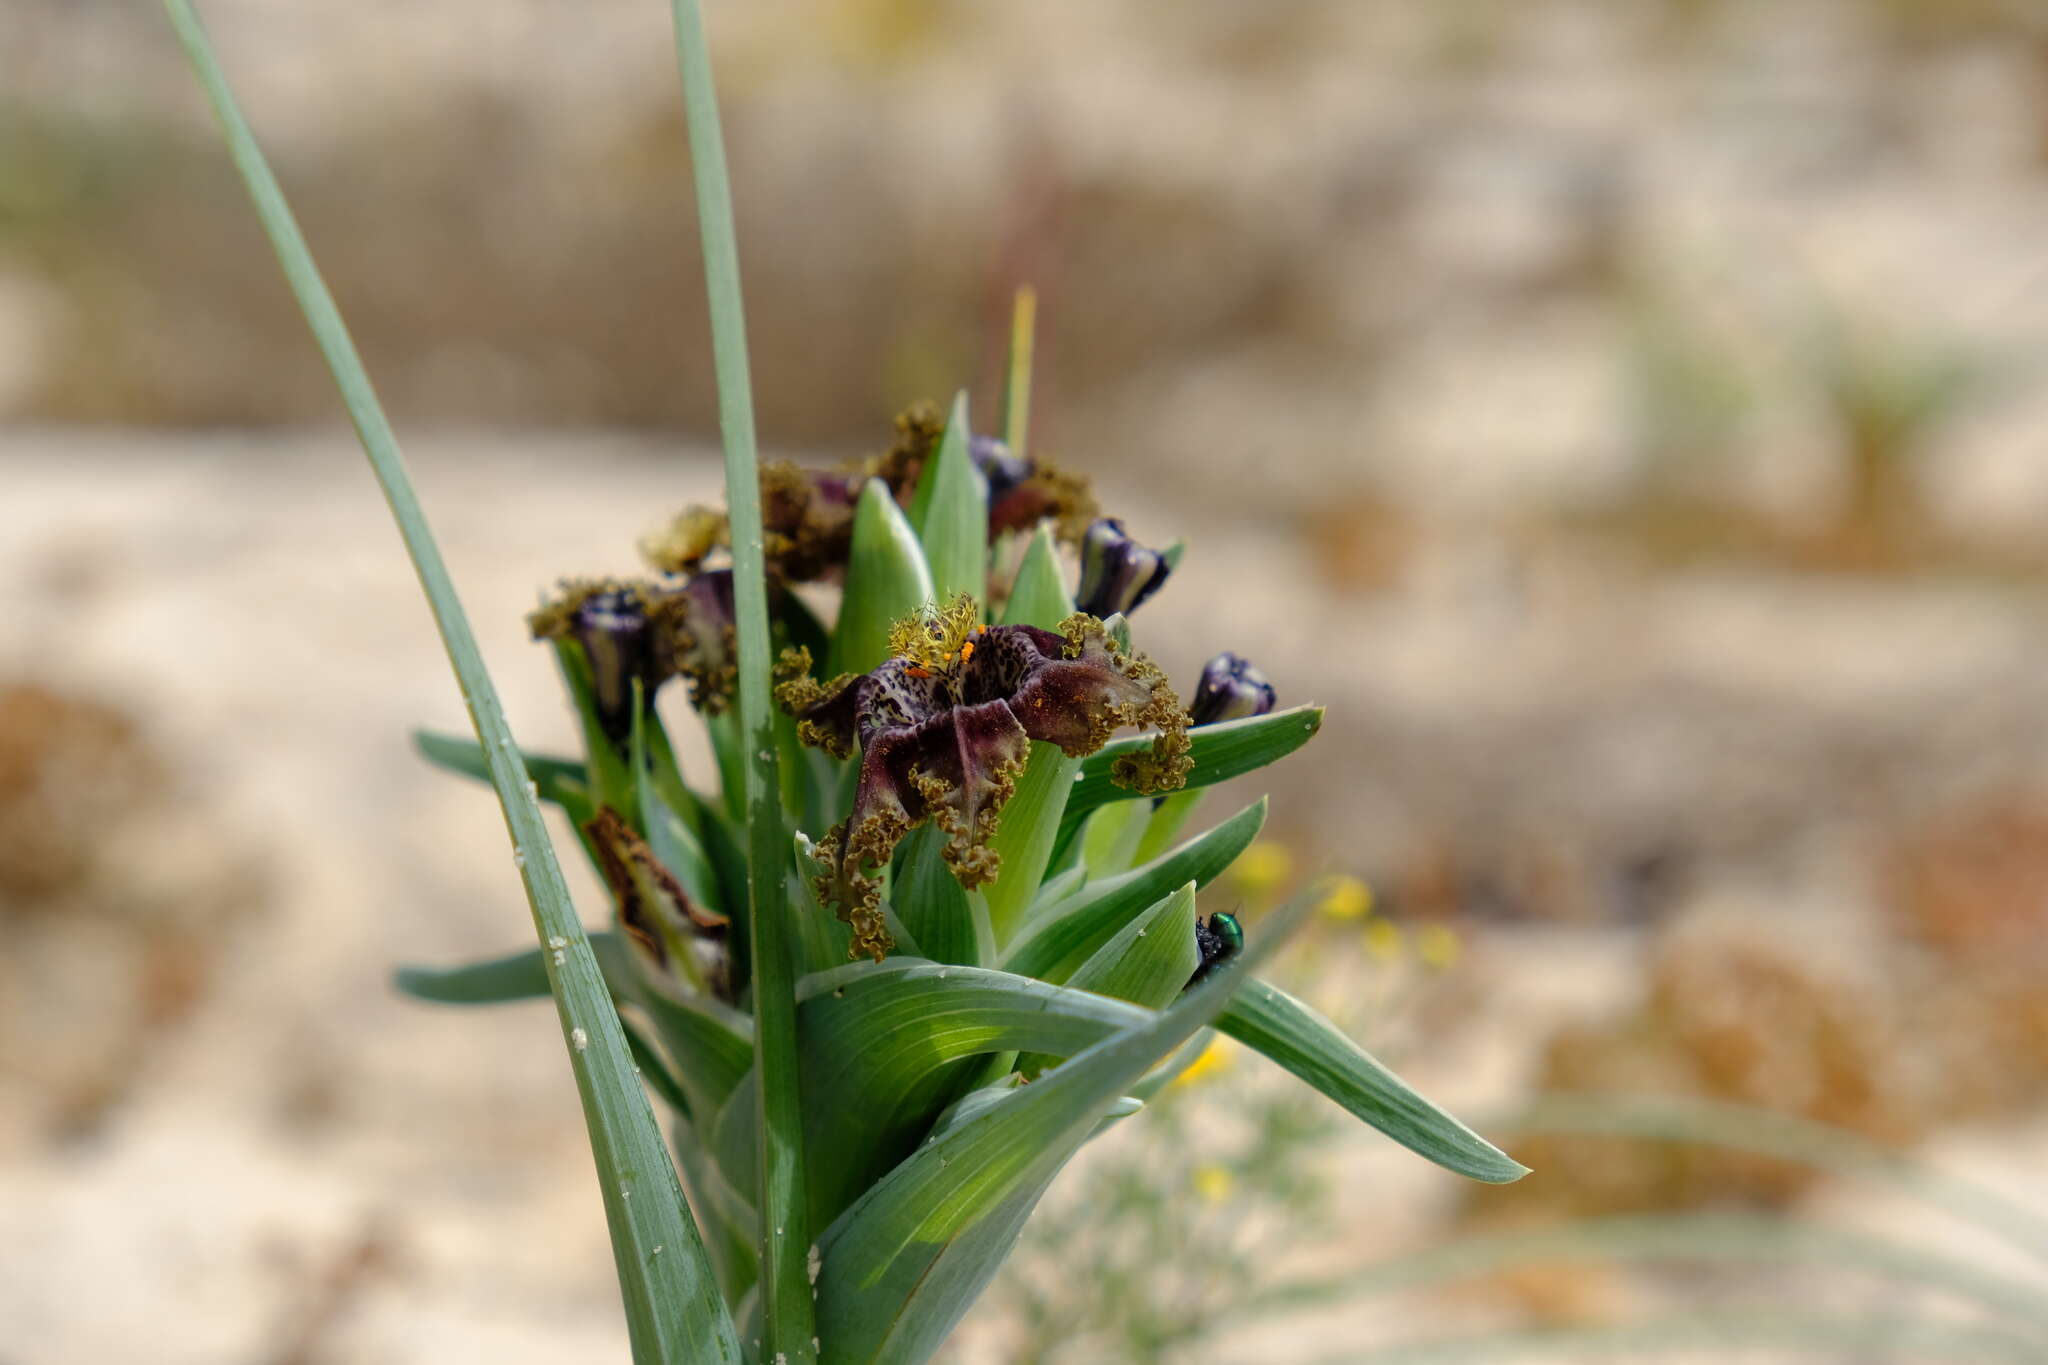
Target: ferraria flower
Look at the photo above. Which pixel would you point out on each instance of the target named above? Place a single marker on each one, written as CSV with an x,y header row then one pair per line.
x,y
1024,490
1230,689
945,726
806,525
1117,573
629,629
807,514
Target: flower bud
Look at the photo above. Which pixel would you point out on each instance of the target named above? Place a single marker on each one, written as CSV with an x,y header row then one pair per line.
x,y
1117,573
1003,470
1231,689
622,629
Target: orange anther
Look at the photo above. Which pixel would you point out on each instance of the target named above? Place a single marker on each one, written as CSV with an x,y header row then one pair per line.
x,y
966,651
917,672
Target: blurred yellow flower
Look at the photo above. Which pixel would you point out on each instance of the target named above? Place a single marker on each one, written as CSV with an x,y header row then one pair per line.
x,y
1214,1061
1384,940
1346,898
1262,869
1213,1183
1439,946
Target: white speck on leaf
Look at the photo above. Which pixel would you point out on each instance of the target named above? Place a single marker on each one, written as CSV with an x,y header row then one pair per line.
x,y
579,1039
558,943
816,1262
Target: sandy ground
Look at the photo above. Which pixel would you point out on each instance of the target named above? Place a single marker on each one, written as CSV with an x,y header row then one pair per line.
x,y
314,1160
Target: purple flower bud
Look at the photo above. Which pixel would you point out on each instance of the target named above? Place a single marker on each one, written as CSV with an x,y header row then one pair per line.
x,y
1117,573
622,644
1003,470
1231,689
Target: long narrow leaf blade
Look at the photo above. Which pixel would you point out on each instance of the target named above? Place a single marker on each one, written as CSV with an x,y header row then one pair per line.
x,y
1272,1022
560,780
951,514
1221,752
785,1235
673,1309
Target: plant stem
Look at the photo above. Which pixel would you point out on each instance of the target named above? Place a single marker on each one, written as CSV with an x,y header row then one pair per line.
x,y
787,1319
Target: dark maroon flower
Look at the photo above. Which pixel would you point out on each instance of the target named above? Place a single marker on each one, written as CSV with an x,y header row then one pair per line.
x,y
1117,573
806,524
650,632
625,630
1230,689
945,727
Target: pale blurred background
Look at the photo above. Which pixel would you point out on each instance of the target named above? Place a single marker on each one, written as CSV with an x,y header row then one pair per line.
x,y
1630,419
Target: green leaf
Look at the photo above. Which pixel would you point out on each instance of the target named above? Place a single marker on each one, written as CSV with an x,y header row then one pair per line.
x,y
886,580
716,839
495,981
610,776
1027,830
901,1266
930,901
1110,838
1165,823
1272,1022
653,1069
1223,751
1039,597
1149,962
677,819
1060,937
1151,959
673,1309
729,752
675,847
880,1044
950,513
820,939
1030,822
560,780
787,1327
710,1044
1017,388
